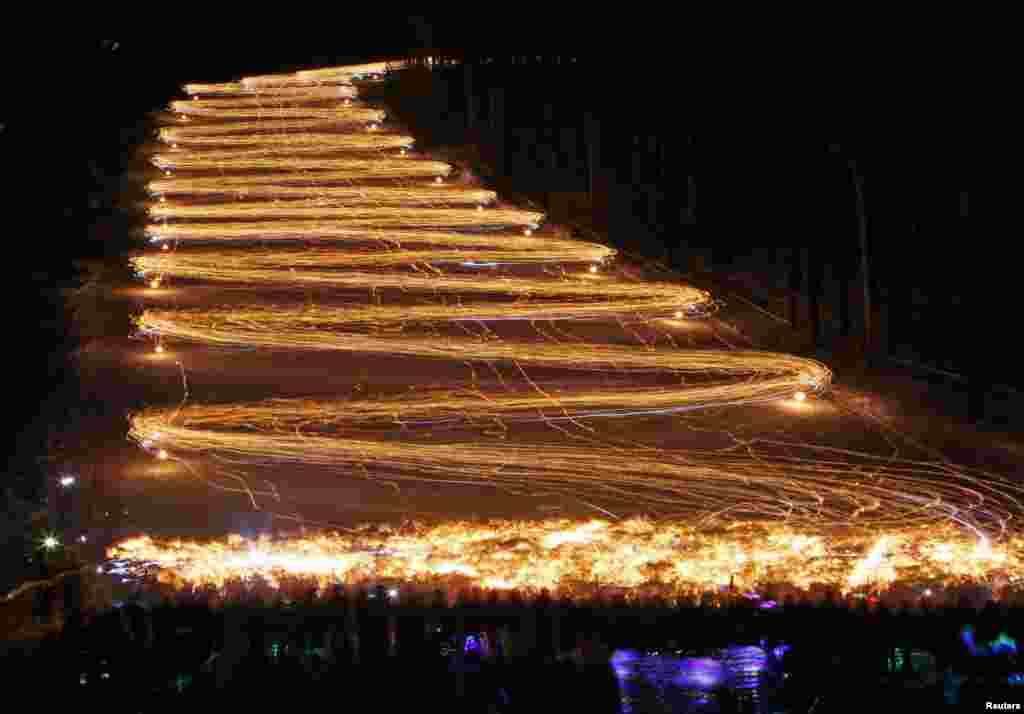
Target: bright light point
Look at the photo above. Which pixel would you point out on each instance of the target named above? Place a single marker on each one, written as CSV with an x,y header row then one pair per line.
x,y
800,396
162,455
593,268
174,146
163,199
439,180
928,592
167,173
82,539
66,481
479,208
154,284
159,349
679,314
164,247
392,592
49,542
402,152
528,232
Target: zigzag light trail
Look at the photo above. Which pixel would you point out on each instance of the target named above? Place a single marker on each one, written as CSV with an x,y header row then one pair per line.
x,y
280,160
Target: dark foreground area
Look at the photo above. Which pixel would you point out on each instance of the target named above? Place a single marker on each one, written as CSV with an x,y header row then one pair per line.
x,y
479,652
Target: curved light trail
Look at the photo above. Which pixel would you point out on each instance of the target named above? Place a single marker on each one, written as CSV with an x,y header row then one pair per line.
x,y
325,214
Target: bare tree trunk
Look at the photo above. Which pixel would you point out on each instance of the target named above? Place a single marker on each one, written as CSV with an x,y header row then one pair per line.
x,y
795,285
814,285
844,301
470,96
862,235
592,131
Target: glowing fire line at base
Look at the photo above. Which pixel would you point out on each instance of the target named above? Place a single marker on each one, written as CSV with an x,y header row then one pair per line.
x,y
580,559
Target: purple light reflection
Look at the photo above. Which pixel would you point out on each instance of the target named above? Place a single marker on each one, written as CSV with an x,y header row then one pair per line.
x,y
700,673
662,682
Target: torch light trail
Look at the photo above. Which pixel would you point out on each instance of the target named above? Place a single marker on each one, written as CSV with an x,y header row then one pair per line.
x,y
204,111
183,132
355,168
321,262
357,217
289,143
292,167
429,194
316,231
255,98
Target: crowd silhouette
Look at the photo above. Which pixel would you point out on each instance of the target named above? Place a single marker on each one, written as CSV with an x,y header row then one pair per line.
x,y
476,651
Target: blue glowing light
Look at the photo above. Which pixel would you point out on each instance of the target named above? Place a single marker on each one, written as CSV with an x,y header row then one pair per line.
x,y
1000,646
1003,644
